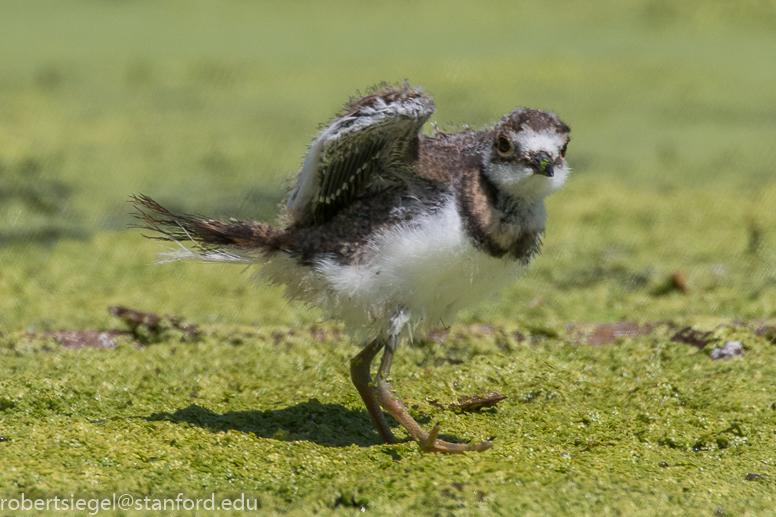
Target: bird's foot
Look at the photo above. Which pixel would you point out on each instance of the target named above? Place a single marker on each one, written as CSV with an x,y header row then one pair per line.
x,y
379,393
430,443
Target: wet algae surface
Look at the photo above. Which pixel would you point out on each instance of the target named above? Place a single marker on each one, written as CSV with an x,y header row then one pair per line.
x,y
641,426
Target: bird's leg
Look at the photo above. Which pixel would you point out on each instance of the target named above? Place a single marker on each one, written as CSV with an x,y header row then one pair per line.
x,y
395,407
359,373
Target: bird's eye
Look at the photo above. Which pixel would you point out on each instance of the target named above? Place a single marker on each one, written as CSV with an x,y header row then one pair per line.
x,y
504,145
563,150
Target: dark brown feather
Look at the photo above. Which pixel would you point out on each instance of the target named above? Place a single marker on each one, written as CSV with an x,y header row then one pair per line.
x,y
373,147
167,225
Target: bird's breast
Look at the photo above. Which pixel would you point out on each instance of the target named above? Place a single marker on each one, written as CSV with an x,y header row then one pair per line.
x,y
428,265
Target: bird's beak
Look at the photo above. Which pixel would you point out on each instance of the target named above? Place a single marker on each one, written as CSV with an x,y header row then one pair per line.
x,y
542,164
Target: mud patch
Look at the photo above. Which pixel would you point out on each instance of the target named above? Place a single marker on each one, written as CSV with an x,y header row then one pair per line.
x,y
596,334
77,339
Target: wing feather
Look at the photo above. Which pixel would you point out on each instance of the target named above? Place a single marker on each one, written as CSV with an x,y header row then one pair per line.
x,y
364,149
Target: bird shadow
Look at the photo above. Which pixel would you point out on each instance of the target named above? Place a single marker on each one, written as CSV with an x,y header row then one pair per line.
x,y
330,425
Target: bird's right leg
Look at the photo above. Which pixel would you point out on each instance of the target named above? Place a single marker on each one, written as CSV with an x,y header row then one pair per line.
x,y
359,373
391,402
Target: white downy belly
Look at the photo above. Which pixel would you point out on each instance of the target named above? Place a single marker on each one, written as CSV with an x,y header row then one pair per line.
x,y
429,267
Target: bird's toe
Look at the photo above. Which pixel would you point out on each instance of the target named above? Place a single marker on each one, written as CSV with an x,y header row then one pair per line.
x,y
430,443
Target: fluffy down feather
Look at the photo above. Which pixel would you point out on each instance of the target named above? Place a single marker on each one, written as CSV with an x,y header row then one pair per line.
x,y
429,267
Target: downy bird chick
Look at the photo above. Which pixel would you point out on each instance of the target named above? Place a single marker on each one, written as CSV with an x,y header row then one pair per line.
x,y
392,231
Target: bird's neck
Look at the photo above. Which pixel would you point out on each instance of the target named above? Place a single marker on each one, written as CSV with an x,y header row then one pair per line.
x,y
521,215
501,224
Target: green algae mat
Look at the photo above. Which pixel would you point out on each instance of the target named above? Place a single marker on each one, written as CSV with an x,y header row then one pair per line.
x,y
644,426
129,388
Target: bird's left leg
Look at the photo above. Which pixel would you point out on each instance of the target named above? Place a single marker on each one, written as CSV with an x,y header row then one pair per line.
x,y
395,407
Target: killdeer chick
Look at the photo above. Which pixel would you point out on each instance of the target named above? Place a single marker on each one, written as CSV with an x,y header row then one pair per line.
x,y
393,231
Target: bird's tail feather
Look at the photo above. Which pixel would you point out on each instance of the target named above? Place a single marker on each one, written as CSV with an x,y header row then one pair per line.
x,y
233,241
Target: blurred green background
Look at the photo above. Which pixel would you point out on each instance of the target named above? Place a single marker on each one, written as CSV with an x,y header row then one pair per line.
x,y
209,108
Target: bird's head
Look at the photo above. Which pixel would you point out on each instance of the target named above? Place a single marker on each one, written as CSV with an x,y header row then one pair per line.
x,y
527,157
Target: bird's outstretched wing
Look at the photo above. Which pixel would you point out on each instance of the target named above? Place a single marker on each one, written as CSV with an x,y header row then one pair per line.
x,y
371,145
